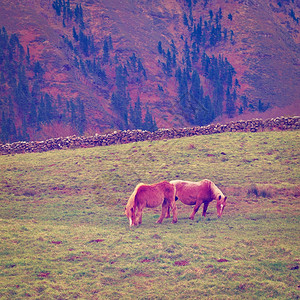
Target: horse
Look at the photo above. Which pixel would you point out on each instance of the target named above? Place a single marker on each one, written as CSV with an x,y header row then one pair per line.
x,y
151,195
196,193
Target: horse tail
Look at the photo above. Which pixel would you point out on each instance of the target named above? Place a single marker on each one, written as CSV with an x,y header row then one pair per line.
x,y
174,191
132,199
173,204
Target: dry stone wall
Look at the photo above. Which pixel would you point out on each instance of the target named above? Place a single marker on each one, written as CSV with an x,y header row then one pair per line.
x,y
130,136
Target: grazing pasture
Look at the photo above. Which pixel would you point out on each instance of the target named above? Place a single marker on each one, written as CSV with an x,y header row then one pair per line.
x,y
64,234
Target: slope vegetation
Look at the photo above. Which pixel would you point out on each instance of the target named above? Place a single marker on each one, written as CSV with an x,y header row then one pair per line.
x,y
96,66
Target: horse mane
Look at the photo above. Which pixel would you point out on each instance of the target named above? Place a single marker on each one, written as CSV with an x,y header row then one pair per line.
x,y
215,190
131,201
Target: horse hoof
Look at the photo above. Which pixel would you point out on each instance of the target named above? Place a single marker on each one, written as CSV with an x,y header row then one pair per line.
x,y
174,221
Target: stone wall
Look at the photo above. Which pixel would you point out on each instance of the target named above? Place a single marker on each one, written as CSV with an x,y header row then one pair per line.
x,y
129,136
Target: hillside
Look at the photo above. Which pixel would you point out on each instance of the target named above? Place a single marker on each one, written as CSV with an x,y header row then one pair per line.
x,y
95,66
64,233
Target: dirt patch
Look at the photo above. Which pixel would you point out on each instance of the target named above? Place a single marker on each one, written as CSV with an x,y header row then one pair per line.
x,y
44,274
222,260
146,260
96,241
156,236
141,275
181,263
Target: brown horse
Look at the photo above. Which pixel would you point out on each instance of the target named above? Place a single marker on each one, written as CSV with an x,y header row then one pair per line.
x,y
151,195
196,193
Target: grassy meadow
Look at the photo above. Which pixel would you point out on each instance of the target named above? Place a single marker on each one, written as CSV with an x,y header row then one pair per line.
x,y
64,234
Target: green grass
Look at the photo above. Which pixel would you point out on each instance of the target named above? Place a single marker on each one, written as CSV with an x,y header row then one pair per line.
x,y
64,234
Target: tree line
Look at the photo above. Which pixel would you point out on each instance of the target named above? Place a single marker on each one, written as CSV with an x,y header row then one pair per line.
x,y
199,105
87,60
25,108
22,97
130,115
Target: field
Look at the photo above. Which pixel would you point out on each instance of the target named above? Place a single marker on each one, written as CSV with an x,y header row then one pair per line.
x,y
64,234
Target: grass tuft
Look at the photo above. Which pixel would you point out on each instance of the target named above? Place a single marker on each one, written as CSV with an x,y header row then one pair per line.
x,y
254,190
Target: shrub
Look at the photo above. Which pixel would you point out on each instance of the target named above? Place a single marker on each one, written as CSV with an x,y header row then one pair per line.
x,y
257,192
253,190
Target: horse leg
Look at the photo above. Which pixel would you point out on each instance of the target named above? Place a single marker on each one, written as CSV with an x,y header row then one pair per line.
x,y
174,210
168,212
196,207
164,209
205,208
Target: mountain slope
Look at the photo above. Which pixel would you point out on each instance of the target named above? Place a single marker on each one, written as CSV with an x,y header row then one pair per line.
x,y
254,43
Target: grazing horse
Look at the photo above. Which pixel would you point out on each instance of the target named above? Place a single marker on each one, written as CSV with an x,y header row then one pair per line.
x,y
151,195
196,193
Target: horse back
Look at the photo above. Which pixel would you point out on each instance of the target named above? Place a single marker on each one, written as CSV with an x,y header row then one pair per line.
x,y
190,192
152,195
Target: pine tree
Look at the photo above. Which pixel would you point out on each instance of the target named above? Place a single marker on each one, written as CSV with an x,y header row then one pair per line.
x,y
133,62
195,51
41,118
105,51
212,38
220,13
120,99
149,122
75,35
110,44
22,94
25,135
231,37
28,56
11,108
218,97
84,43
183,92
141,68
4,130
173,47
21,53
205,61
81,120
196,97
185,20
48,108
159,48
262,107
230,108
73,113
136,115
187,57
38,70
57,6
169,64
32,118
205,114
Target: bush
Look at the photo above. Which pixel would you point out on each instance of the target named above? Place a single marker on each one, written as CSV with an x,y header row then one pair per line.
x,y
257,192
253,190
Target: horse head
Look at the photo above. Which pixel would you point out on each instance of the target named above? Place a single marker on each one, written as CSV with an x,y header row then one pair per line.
x,y
221,203
129,212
